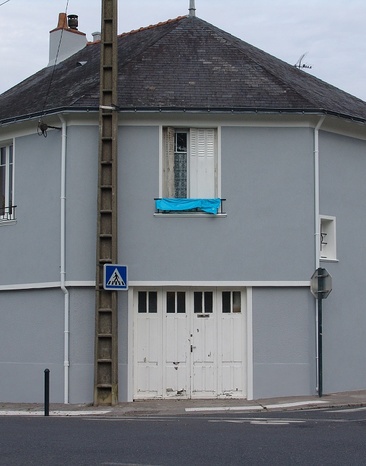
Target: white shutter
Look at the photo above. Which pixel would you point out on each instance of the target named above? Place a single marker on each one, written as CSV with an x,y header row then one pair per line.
x,y
168,163
202,163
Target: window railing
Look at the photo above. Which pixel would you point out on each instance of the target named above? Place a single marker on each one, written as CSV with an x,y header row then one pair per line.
x,y
184,206
8,213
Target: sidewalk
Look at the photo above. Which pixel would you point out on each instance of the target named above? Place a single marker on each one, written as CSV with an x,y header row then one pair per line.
x,y
182,406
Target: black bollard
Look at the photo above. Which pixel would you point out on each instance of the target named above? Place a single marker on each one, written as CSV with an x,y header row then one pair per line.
x,y
47,392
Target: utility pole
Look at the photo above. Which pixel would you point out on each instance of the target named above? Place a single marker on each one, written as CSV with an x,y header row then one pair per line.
x,y
106,332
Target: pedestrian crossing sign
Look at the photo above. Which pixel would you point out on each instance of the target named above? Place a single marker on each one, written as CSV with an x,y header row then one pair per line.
x,y
115,277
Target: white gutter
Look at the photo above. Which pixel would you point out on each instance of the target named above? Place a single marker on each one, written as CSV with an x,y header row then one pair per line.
x,y
63,260
317,230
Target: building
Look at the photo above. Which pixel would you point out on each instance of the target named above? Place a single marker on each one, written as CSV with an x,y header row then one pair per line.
x,y
219,301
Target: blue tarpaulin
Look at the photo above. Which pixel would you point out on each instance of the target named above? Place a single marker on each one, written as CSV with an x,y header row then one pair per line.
x,y
210,206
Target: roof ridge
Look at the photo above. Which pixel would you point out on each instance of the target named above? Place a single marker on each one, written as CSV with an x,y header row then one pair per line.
x,y
234,43
152,26
144,28
297,88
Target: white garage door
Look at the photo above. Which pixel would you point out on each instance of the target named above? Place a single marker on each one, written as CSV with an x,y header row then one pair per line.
x,y
189,343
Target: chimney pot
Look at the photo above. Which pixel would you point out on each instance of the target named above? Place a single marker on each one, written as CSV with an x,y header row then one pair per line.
x,y
96,36
62,21
73,22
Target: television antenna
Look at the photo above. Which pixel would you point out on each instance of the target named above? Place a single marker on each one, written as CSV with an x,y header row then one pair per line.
x,y
300,64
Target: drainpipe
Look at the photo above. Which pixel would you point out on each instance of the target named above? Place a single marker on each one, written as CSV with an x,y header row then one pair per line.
x,y
317,230
63,261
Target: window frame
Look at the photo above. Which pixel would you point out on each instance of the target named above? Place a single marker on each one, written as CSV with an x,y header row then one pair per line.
x,y
166,172
147,302
327,238
186,153
231,302
7,206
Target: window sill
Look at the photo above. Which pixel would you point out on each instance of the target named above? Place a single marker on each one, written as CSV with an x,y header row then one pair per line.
x,y
189,206
188,215
326,259
4,223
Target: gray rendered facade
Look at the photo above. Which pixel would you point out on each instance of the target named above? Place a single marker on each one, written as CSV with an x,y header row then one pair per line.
x,y
266,242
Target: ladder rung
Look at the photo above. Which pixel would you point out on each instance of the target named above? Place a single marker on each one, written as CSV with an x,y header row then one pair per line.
x,y
105,261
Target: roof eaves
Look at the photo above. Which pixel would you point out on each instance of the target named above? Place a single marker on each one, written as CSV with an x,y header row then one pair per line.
x,y
54,111
206,110
242,110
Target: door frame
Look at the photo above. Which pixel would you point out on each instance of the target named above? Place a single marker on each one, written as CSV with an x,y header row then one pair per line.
x,y
132,296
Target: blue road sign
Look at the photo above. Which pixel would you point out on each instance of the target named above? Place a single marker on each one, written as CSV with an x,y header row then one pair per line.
x,y
115,277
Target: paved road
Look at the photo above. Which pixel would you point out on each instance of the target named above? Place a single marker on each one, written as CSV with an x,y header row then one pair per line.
x,y
321,437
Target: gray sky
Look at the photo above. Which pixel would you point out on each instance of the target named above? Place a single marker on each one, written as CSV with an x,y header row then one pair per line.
x,y
331,32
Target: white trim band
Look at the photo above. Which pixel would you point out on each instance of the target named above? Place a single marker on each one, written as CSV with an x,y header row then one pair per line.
x,y
39,286
219,284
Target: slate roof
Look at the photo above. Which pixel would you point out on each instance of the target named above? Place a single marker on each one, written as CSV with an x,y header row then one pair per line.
x,y
181,64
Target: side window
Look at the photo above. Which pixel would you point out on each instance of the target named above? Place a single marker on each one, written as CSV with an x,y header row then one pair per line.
x,y
327,245
190,163
7,208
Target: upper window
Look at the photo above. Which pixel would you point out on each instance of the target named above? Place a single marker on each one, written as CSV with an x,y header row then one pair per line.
x,y
328,238
7,209
190,163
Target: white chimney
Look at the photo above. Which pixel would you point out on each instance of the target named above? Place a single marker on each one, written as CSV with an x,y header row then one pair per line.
x,y
65,40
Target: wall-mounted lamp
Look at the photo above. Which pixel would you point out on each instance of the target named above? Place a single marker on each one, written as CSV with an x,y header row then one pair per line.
x,y
43,127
